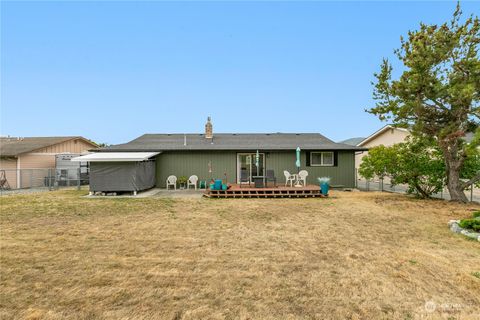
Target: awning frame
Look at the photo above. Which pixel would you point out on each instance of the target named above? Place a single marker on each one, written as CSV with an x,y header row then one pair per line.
x,y
116,157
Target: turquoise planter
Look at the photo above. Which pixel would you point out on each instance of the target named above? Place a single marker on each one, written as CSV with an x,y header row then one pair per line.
x,y
324,187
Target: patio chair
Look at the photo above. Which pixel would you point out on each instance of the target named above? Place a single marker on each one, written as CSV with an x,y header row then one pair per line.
x,y
270,177
302,176
244,177
288,178
172,181
192,181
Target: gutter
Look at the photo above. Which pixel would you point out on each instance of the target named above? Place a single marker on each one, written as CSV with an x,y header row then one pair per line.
x,y
355,149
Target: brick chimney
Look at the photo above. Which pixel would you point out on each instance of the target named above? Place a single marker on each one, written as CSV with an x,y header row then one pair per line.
x,y
209,129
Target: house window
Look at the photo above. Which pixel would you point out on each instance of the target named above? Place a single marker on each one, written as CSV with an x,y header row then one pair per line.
x,y
324,159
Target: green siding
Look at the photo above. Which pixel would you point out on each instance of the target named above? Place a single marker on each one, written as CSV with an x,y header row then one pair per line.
x,y
342,174
196,162
186,163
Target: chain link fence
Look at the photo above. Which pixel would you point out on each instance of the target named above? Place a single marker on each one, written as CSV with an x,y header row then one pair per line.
x,y
14,180
384,185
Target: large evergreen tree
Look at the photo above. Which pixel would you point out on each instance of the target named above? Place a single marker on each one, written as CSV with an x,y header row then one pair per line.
x,y
438,93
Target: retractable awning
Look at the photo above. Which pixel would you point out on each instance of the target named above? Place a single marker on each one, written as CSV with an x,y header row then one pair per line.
x,y
115,157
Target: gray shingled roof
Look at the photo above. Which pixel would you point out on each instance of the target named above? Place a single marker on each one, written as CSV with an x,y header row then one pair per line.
x,y
353,141
231,141
13,146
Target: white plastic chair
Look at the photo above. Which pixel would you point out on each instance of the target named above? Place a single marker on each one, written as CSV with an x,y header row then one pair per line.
x,y
302,176
172,181
192,181
288,178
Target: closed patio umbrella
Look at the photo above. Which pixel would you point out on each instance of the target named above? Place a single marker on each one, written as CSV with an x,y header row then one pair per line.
x,y
210,169
297,163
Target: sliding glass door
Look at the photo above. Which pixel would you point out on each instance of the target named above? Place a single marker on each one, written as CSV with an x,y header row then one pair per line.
x,y
247,162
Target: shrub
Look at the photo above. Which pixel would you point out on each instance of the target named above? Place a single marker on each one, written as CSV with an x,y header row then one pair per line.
x,y
476,214
323,180
182,180
417,163
472,224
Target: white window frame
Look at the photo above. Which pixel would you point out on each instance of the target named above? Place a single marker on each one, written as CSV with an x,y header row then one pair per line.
x,y
321,164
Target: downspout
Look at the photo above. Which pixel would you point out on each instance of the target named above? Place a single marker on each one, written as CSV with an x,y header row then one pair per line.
x,y
18,173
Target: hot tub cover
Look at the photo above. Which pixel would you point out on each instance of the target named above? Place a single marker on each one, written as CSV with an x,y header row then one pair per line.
x,y
122,176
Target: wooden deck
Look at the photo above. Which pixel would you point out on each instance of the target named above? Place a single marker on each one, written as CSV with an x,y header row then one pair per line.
x,y
237,191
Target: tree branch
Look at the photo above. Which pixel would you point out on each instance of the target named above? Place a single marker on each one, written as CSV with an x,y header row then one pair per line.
x,y
473,180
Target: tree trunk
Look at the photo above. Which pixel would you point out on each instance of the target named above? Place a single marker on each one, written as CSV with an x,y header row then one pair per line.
x,y
453,163
422,193
454,185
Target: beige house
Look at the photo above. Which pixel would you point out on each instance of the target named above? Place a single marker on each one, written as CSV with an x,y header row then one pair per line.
x,y
387,136
17,154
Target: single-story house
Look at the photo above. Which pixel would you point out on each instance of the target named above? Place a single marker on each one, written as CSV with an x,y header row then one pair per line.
x,y
17,154
224,155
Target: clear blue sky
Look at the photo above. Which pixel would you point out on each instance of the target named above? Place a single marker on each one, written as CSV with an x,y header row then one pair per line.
x,y
111,71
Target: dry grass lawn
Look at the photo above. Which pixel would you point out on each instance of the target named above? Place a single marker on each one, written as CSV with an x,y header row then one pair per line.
x,y
352,256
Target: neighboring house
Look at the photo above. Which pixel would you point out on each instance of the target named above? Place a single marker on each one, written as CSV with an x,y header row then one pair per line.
x,y
17,154
223,156
387,136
